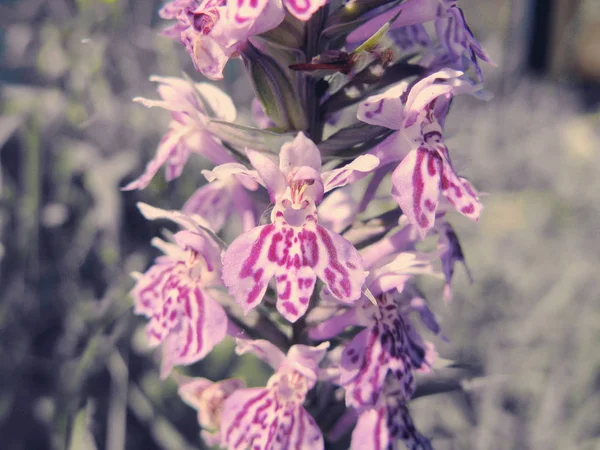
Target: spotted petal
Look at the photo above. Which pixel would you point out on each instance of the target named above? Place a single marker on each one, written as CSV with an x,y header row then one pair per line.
x,y
303,9
416,187
460,193
241,12
385,109
381,427
253,418
246,266
202,324
338,264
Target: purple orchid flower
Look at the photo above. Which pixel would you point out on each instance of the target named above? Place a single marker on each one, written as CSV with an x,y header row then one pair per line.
x,y
188,134
212,31
208,398
389,343
177,293
455,36
248,10
293,248
388,423
273,417
425,167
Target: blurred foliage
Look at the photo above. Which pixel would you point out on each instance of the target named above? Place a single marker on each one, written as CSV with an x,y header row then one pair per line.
x,y
74,369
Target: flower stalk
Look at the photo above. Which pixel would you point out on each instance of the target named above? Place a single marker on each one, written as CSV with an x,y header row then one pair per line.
x,y
319,280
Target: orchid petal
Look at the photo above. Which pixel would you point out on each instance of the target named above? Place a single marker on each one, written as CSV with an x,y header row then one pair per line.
x,y
337,263
416,187
300,152
219,101
261,348
170,147
340,177
381,427
333,326
226,171
202,325
272,178
241,12
305,360
303,9
247,268
208,56
460,193
385,109
213,202
253,419
147,292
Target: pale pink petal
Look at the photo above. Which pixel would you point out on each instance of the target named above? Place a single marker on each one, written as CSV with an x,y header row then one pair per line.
x,y
443,82
338,210
270,174
226,171
336,262
247,267
213,202
219,101
385,109
169,146
300,152
191,390
416,187
303,9
460,193
340,177
208,56
305,360
263,349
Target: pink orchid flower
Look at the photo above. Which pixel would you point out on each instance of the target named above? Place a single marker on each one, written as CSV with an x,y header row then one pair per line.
x,y
294,248
212,31
177,293
188,134
273,418
425,167
187,131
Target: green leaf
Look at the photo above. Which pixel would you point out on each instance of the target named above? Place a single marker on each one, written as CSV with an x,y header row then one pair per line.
x,y
274,89
242,136
353,140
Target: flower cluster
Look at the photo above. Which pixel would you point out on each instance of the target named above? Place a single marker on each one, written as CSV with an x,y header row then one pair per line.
x,y
321,237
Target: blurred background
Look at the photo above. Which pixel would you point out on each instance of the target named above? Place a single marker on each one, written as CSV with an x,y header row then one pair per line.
x,y
74,370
